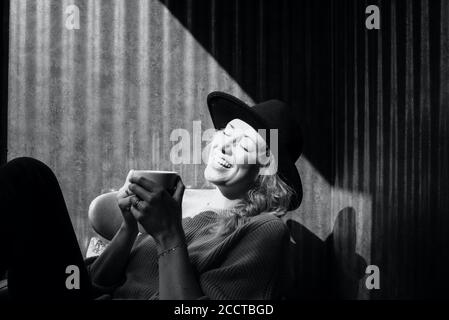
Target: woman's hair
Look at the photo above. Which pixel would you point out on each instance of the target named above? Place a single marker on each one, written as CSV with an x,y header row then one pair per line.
x,y
268,194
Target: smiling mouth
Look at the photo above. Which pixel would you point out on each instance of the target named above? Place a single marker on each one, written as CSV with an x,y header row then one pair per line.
x,y
225,164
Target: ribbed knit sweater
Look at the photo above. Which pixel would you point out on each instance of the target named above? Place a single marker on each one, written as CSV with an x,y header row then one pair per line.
x,y
248,263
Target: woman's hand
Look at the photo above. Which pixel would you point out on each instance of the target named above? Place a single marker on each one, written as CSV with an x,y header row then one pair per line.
x,y
124,203
159,213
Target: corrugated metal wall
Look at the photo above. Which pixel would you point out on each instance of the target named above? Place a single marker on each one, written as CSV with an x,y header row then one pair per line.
x,y
4,65
391,94
94,102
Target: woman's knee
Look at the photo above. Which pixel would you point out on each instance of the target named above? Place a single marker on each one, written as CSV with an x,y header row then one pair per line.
x,y
29,167
26,161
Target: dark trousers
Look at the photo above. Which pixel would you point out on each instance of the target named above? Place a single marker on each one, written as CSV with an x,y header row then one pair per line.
x,y
37,241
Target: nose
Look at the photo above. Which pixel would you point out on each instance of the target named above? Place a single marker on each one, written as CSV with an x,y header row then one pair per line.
x,y
226,147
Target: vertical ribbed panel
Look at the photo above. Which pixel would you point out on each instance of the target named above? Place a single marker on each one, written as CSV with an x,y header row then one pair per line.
x,y
392,130
95,102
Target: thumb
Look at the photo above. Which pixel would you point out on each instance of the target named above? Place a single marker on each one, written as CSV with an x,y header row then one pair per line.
x,y
179,192
124,203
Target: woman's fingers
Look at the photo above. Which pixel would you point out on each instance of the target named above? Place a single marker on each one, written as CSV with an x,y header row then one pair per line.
x,y
138,203
124,203
179,192
142,193
136,213
145,183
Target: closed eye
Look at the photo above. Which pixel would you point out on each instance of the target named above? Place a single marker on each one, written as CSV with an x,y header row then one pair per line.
x,y
246,144
244,148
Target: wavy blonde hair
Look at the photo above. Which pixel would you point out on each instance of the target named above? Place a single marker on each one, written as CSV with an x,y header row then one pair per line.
x,y
269,193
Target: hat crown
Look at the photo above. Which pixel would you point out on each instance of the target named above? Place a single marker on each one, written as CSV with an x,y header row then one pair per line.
x,y
277,115
271,114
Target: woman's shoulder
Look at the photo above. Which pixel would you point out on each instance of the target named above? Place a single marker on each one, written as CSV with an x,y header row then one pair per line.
x,y
265,217
268,222
265,231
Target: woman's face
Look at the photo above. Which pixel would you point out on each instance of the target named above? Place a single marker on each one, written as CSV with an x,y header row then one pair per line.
x,y
235,156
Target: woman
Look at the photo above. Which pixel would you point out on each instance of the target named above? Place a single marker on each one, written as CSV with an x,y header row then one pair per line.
x,y
232,249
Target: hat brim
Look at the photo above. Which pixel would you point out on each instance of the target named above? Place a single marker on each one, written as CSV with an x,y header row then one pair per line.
x,y
224,108
290,175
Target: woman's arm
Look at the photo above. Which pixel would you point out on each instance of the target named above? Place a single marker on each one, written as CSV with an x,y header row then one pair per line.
x,y
109,267
177,280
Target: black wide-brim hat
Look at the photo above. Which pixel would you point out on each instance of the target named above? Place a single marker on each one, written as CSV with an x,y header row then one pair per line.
x,y
271,114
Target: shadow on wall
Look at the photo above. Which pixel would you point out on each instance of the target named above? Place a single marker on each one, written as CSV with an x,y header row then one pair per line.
x,y
273,50
329,269
283,50
372,106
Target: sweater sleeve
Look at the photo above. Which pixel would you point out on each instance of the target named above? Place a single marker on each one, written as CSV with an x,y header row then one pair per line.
x,y
98,291
252,270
